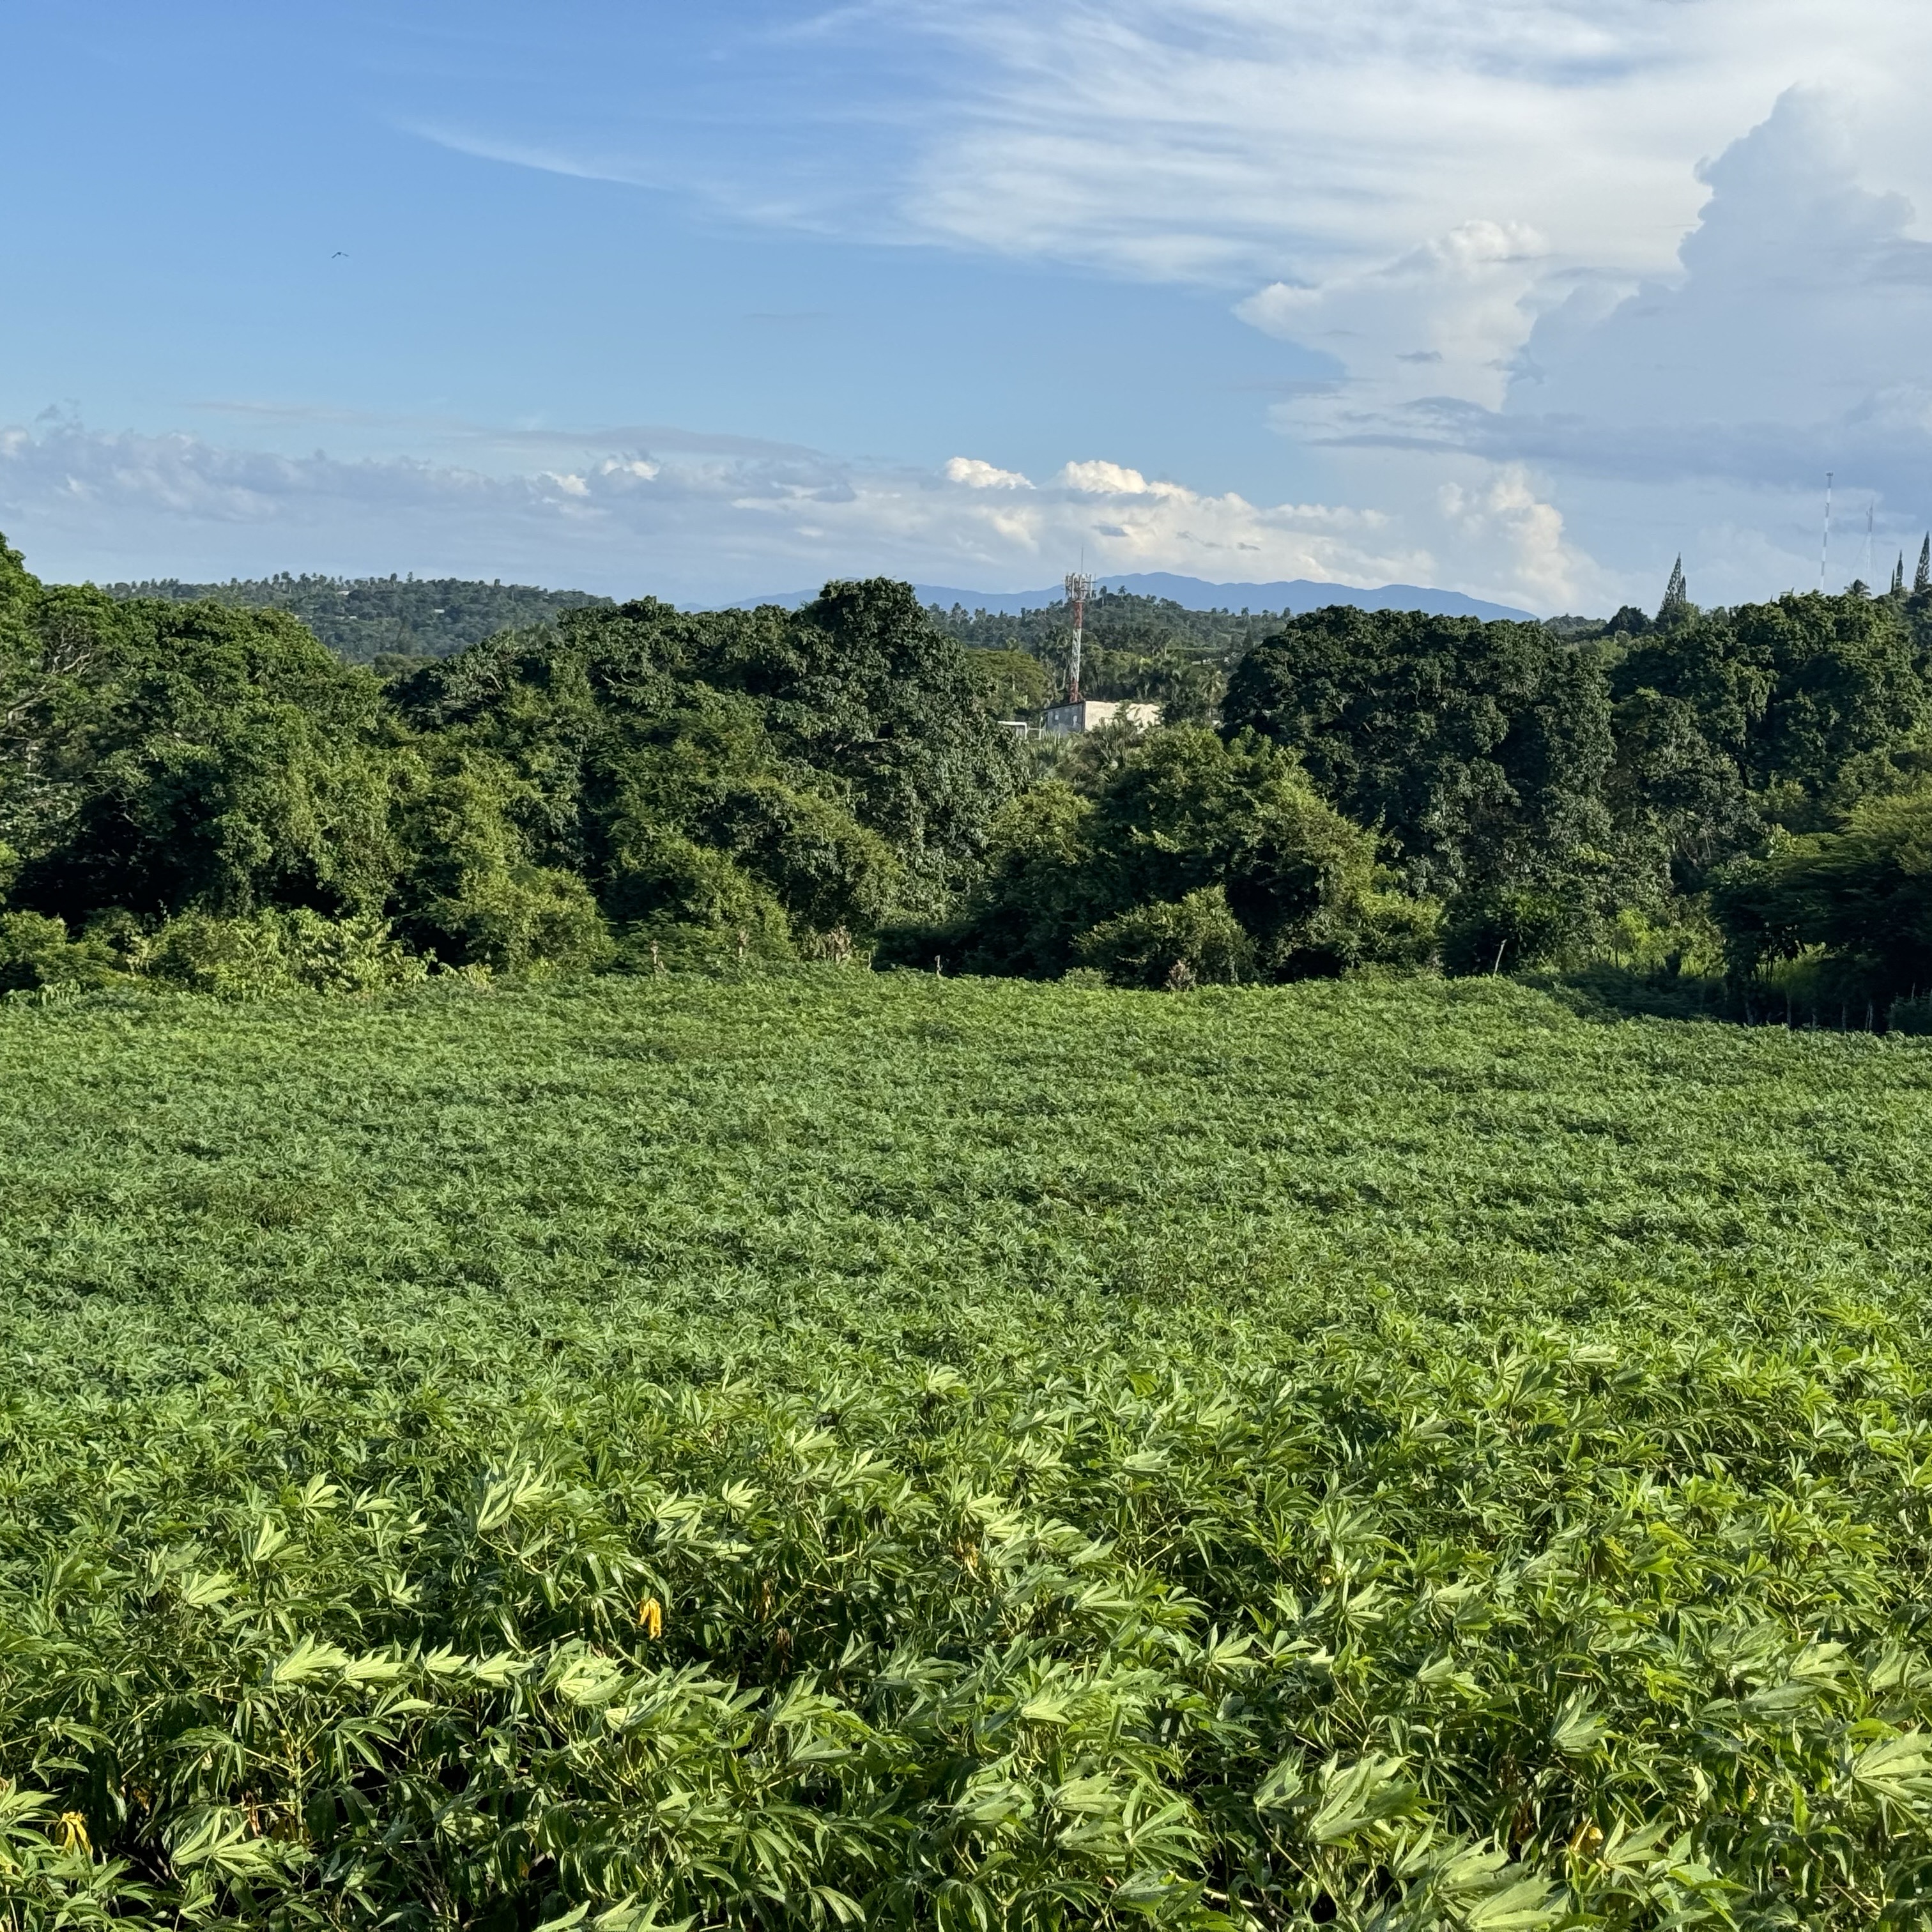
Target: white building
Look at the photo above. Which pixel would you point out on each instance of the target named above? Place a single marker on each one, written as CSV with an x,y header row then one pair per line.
x,y
1090,713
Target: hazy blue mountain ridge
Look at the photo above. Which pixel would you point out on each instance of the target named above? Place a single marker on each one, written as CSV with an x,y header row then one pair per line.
x,y
1293,596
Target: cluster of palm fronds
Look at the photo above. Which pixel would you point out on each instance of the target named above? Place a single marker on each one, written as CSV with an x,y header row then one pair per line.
x,y
345,1582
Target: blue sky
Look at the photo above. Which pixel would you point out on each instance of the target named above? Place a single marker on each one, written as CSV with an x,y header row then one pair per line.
x,y
1515,296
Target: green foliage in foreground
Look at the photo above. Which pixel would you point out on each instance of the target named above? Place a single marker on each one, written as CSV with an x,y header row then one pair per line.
x,y
951,1452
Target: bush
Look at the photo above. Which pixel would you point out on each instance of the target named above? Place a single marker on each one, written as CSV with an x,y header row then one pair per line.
x,y
1398,931
1863,894
1038,890
762,938
1911,1015
1176,814
513,920
1490,930
677,894
1676,938
1178,944
279,952
35,951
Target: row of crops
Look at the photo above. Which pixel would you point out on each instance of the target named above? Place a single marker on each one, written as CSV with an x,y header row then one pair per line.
x,y
836,1450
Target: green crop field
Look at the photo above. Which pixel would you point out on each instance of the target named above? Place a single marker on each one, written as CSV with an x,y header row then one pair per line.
x,y
836,1449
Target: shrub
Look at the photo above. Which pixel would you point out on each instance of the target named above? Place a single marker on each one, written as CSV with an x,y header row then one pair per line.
x,y
1677,937
35,951
1863,893
1038,890
512,920
1184,941
278,953
668,882
686,904
1490,930
1398,931
1911,1015
1176,813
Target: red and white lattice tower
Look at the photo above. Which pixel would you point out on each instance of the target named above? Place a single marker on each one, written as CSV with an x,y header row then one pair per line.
x,y
1079,588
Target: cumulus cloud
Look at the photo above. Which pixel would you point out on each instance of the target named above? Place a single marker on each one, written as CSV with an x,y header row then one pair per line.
x,y
1788,341
1463,295
1498,217
1506,505
1803,301
977,474
696,526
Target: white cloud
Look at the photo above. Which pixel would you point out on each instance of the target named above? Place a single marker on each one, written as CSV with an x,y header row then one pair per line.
x,y
1237,140
704,526
1112,479
546,157
1701,410
978,475
1452,308
1507,506
1475,207
1803,299
1310,140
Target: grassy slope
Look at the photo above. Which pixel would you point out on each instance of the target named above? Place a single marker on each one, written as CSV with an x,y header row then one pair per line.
x,y
1592,1353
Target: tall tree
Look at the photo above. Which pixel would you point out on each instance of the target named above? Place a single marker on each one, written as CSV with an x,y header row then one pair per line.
x,y
1479,750
1676,604
1898,576
162,757
1812,700
1921,579
803,766
1185,814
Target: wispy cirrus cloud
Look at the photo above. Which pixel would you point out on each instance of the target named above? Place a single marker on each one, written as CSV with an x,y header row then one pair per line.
x,y
546,158
1221,139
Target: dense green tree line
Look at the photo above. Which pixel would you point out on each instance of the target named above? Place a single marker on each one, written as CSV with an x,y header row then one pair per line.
x,y
1736,788
373,620
627,782
200,788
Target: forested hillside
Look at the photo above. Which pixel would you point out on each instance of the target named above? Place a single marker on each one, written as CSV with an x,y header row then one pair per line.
x,y
1738,798
365,619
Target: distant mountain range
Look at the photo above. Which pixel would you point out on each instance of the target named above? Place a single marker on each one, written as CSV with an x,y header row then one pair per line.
x,y
1192,593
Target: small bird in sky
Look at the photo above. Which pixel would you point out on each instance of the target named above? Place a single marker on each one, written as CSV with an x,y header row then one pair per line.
x,y
340,255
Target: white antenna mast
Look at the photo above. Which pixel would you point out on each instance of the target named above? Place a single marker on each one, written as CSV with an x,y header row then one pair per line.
x,y
1079,588
1824,550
